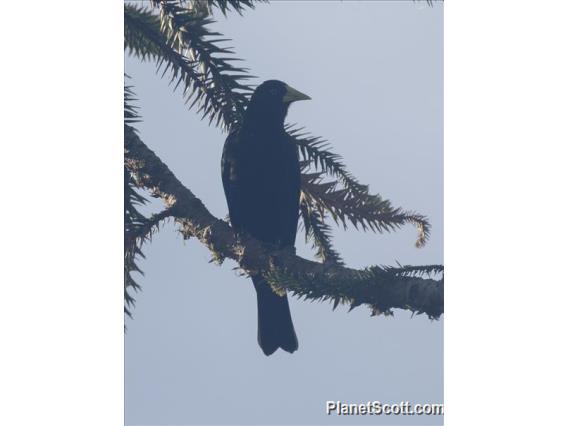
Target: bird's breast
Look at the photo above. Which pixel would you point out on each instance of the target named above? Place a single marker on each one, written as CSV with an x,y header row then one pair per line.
x,y
265,185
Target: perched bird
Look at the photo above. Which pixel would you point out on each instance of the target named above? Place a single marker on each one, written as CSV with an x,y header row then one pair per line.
x,y
261,178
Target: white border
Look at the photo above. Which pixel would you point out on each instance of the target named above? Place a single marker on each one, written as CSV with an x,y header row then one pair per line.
x,y
61,304
505,208
61,310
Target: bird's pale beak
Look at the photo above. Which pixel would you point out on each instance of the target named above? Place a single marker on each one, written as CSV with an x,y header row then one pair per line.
x,y
293,95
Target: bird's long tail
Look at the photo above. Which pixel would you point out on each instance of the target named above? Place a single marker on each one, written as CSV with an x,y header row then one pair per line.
x,y
275,327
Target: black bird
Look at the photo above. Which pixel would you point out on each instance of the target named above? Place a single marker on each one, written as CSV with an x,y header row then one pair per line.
x,y
261,177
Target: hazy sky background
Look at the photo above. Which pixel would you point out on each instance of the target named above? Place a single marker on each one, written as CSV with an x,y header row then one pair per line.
x,y
374,72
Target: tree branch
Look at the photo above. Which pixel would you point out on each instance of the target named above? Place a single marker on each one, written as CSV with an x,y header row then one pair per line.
x,y
382,289
346,199
143,37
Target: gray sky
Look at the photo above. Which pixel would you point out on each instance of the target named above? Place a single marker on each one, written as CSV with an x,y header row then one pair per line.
x,y
374,71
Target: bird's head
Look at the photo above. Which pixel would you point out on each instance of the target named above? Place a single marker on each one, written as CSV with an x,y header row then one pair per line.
x,y
271,100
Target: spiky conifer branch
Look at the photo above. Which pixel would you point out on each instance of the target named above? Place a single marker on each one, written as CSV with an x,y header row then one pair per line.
x,y
144,39
416,271
191,37
318,232
180,41
212,83
132,220
346,199
138,229
375,286
142,35
205,7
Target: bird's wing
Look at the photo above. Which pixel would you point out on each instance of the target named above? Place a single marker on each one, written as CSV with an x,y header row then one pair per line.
x,y
262,188
230,186
289,199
